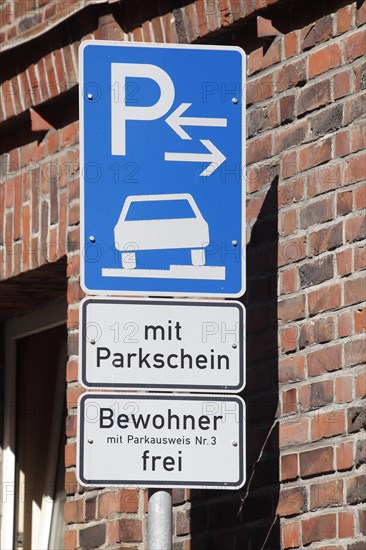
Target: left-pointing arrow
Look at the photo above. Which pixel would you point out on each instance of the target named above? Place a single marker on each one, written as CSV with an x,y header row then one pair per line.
x,y
215,157
176,121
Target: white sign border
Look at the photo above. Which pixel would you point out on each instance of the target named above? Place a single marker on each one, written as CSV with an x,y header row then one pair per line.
x,y
171,294
132,484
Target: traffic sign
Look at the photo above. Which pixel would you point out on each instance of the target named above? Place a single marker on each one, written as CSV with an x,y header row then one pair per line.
x,y
162,169
162,345
161,440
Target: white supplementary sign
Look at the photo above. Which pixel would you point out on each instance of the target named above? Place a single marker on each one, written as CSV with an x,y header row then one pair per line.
x,y
162,345
161,441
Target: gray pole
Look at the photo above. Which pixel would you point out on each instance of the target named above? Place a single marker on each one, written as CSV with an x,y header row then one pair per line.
x,y
160,520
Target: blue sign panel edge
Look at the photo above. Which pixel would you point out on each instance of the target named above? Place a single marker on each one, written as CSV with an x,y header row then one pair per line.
x,y
160,293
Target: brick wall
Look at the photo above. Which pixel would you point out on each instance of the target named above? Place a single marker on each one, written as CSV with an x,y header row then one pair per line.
x,y
306,237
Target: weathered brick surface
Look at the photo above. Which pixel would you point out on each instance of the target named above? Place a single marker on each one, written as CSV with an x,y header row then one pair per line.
x,y
306,139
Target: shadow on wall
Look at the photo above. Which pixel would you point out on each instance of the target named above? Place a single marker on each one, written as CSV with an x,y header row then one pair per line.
x,y
246,519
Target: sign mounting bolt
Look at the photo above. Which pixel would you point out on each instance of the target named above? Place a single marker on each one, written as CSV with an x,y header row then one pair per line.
x,y
90,440
90,97
92,239
235,100
92,342
234,443
234,345
234,243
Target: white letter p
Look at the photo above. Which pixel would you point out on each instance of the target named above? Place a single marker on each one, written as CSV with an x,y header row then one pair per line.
x,y
122,112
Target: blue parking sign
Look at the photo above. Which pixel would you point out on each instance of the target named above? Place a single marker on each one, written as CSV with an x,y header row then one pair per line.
x,y
162,169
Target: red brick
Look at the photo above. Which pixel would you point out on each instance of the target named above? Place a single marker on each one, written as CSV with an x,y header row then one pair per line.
x,y
354,291
358,136
361,14
325,359
294,432
354,46
324,299
254,205
356,228
291,251
359,77
291,192
71,423
113,532
324,178
342,143
318,32
291,309
291,44
71,370
360,385
259,176
355,107
315,154
342,84
325,239
291,369
255,61
70,455
259,149
288,222
344,262
316,394
344,454
70,540
355,169
325,494
328,424
291,502
290,534
26,236
70,135
355,352
289,467
360,197
360,320
325,59
344,19
288,337
122,501
359,258
290,75
344,202
74,292
287,108
259,89
9,193
289,167
130,530
343,389
316,461
346,525
291,136
73,394
345,325
319,528
74,511
288,281
289,401
314,96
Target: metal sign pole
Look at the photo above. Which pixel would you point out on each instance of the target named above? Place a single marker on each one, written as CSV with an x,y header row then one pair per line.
x,y
160,519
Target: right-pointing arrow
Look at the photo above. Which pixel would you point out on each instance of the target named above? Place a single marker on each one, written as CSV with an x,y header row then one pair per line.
x,y
215,157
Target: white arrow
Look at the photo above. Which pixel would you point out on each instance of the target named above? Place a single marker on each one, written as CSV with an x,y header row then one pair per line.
x,y
176,121
215,157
